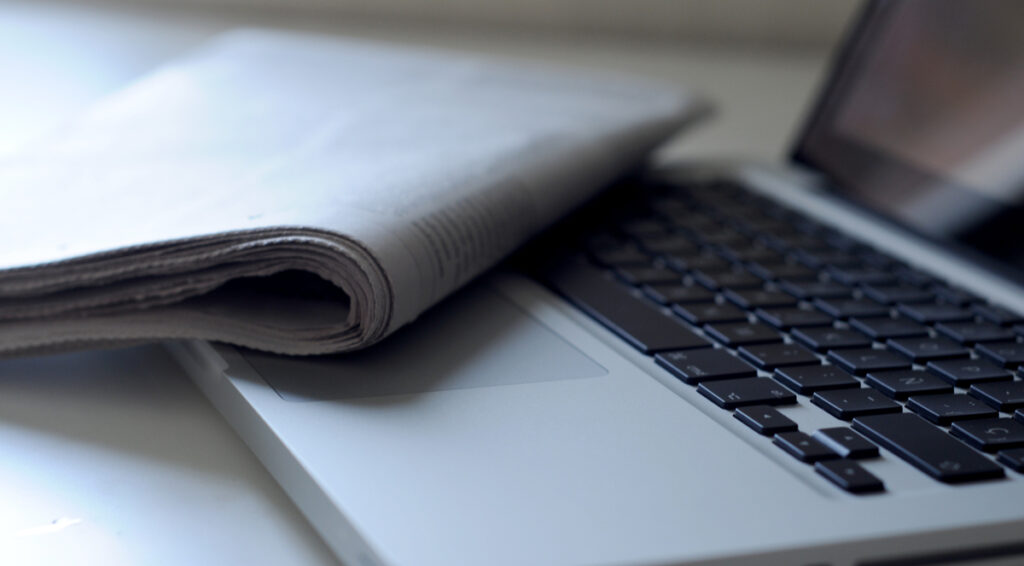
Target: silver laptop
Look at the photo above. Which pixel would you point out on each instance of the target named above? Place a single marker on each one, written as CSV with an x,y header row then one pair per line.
x,y
811,364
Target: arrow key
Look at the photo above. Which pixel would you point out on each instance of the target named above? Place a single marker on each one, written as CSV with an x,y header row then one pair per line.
x,y
764,419
803,447
849,475
1013,458
846,442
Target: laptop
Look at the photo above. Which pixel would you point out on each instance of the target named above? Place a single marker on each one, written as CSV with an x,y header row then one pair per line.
x,y
814,364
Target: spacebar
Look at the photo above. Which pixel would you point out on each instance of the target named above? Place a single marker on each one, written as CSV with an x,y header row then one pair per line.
x,y
642,325
927,448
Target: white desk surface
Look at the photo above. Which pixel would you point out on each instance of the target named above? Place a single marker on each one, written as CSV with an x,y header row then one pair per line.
x,y
114,457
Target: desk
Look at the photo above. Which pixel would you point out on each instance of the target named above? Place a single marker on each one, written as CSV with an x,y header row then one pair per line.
x,y
114,457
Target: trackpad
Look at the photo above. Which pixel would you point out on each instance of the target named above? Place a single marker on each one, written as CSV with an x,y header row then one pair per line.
x,y
475,339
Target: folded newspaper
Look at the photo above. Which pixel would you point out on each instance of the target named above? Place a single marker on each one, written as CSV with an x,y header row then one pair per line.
x,y
301,194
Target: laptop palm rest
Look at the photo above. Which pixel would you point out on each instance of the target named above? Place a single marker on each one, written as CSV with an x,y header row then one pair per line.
x,y
476,339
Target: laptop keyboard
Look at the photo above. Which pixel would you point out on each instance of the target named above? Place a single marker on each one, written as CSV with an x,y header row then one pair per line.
x,y
759,307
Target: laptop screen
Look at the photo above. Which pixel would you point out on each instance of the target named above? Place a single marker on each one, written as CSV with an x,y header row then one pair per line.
x,y
922,121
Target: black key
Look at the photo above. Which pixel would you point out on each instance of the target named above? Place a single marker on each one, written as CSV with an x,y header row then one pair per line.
x,y
870,258
927,448
771,356
892,294
642,325
954,296
816,289
884,328
754,226
846,442
821,259
803,447
808,379
930,313
709,313
675,263
723,237
861,276
1013,458
704,364
849,403
923,349
849,475
864,360
990,435
902,384
755,298
963,373
1019,415
843,242
1006,354
847,308
622,255
914,277
997,315
808,226
875,259
750,255
605,241
734,334
783,271
971,332
732,393
683,212
824,339
688,226
785,242
643,228
668,294
700,262
946,408
647,275
787,318
727,280
668,244
1005,396
764,419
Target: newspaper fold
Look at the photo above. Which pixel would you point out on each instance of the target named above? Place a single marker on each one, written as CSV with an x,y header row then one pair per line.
x,y
301,194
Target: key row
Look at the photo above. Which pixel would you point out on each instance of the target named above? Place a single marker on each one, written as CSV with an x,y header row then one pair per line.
x,y
838,393
931,395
